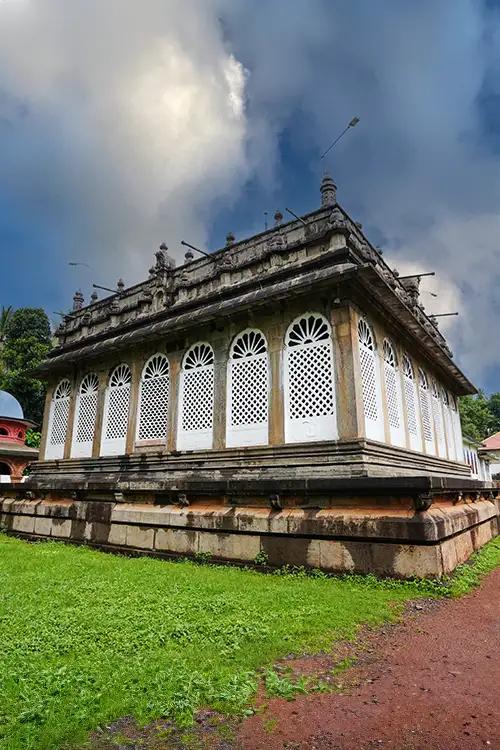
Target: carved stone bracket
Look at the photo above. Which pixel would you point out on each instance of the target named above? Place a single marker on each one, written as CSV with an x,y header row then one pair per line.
x,y
422,501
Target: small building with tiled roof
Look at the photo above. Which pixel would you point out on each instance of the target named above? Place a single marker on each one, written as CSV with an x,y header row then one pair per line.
x,y
492,446
15,455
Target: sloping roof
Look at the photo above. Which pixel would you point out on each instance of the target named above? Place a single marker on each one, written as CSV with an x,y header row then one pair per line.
x,y
492,443
10,406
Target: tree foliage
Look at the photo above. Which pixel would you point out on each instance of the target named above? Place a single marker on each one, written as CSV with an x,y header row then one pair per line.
x,y
480,415
27,340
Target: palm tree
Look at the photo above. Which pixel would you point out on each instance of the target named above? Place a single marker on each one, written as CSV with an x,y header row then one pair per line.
x,y
5,316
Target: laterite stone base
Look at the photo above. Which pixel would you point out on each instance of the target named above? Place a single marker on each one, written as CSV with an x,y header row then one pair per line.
x,y
386,536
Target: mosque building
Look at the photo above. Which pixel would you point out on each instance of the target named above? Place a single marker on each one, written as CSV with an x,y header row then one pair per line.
x,y
285,396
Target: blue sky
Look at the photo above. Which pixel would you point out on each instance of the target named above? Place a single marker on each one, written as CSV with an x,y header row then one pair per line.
x,y
126,124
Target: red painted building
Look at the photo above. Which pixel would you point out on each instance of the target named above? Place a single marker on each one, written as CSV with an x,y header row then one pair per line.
x,y
14,454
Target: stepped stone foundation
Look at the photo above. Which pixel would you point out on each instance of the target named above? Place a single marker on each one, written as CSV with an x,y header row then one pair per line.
x,y
420,526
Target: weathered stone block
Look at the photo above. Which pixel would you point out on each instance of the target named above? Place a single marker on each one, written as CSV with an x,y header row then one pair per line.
x,y
230,546
177,541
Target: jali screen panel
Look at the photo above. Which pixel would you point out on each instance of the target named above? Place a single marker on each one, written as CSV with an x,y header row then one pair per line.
x,y
196,399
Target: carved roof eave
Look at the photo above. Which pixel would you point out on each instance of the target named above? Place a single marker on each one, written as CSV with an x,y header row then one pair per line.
x,y
376,287
181,323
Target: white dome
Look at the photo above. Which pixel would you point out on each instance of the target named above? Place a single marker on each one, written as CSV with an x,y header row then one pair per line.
x,y
10,406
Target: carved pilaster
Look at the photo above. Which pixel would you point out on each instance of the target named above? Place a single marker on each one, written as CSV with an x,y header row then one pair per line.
x,y
175,360
136,369
221,347
101,397
71,420
350,421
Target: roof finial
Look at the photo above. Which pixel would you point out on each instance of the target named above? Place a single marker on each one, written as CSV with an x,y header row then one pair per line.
x,y
328,191
230,238
278,218
93,296
120,286
78,300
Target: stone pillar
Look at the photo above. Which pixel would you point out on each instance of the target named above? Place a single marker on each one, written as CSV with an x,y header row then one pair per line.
x,y
221,353
45,423
275,339
350,422
175,360
136,370
103,375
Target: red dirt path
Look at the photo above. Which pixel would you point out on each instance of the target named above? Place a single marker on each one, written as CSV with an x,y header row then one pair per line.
x,y
431,682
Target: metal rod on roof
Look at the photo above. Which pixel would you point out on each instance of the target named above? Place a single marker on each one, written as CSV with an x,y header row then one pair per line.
x,y
63,315
296,217
443,315
352,124
106,289
417,275
203,252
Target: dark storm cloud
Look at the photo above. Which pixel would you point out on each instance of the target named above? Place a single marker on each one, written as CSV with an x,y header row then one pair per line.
x,y
123,124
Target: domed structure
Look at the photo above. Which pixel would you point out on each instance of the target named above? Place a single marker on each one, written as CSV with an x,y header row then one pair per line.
x,y
10,406
15,455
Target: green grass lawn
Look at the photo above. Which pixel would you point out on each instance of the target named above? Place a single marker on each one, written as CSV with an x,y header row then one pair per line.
x,y
88,637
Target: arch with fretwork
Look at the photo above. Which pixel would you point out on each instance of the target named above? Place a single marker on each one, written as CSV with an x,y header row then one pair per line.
x,y
370,382
426,412
248,383
154,395
85,416
394,396
116,411
58,420
195,425
438,418
309,380
411,404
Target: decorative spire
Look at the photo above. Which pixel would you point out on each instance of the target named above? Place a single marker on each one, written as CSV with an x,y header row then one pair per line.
x,y
189,255
93,297
230,238
328,191
278,218
120,286
78,300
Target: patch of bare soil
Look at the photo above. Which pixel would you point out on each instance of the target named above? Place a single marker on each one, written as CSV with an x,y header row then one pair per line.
x,y
429,682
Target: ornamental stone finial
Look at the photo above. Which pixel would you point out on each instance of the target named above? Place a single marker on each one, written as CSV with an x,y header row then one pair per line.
x,y
78,300
188,256
328,191
163,260
278,218
120,286
230,238
93,297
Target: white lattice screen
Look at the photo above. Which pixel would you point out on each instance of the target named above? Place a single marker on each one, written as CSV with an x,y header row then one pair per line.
x,y
393,395
437,413
448,426
116,408
426,411
309,381
370,383
58,420
85,416
457,429
196,399
248,390
152,417
412,412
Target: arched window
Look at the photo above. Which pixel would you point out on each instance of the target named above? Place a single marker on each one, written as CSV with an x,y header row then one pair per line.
x,y
457,428
394,396
4,431
412,413
370,382
448,426
5,472
247,390
309,381
58,420
85,416
437,412
426,410
196,399
152,418
116,408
